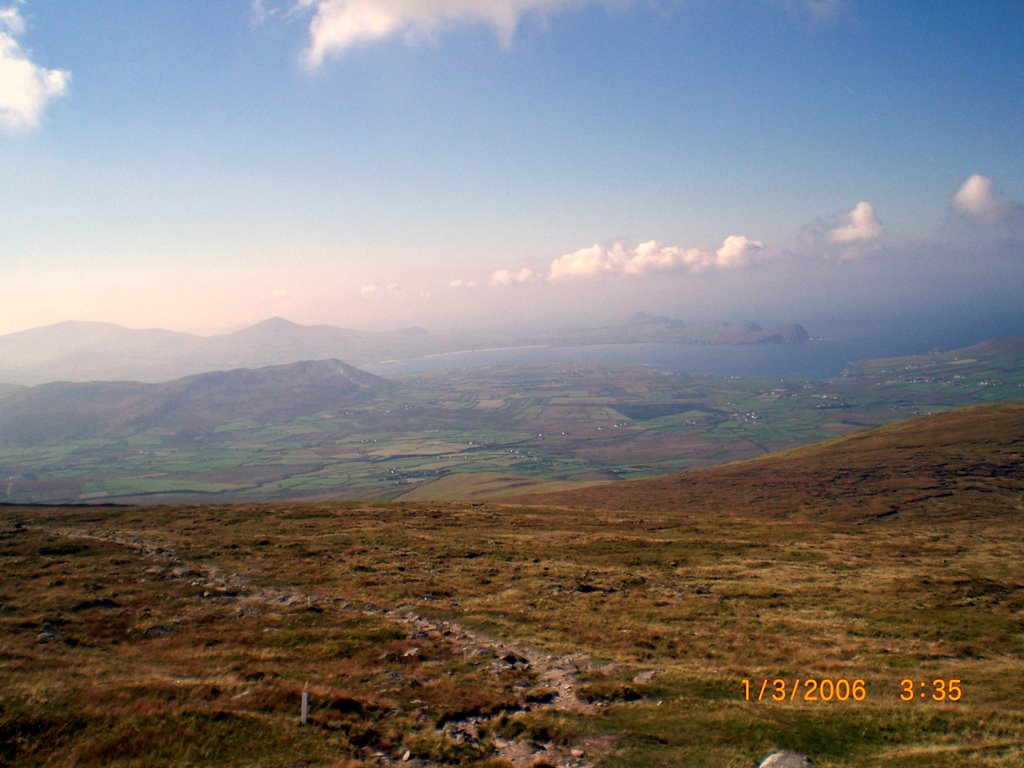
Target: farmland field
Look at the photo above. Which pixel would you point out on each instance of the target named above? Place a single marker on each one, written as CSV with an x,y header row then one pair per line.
x,y
547,423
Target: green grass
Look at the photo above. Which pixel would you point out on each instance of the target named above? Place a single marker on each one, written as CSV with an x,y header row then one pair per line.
x,y
351,454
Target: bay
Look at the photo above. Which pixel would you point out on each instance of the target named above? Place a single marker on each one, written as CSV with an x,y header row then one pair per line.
x,y
813,359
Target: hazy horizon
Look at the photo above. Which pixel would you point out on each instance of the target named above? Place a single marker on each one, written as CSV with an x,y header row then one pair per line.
x,y
890,334
384,164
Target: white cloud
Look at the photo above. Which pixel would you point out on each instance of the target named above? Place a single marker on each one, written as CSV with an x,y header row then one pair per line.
x,y
391,289
462,283
650,257
339,24
738,251
978,198
858,226
259,12
25,87
505,277
586,262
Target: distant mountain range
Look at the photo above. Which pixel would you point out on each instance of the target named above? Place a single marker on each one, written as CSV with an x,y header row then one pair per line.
x,y
85,351
187,406
80,351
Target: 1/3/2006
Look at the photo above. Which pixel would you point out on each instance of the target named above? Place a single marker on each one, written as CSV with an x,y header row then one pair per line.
x,y
814,689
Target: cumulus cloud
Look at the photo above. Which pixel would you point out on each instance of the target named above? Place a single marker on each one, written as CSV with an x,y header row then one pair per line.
x,y
978,198
460,283
25,87
650,257
505,277
339,24
738,251
858,226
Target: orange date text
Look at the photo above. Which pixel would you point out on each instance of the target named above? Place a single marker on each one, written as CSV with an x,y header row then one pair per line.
x,y
809,689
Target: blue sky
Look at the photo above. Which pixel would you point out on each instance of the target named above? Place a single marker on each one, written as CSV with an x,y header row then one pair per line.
x,y
379,163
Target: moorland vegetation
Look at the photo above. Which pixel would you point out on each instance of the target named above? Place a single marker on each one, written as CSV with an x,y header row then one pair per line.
x,y
628,625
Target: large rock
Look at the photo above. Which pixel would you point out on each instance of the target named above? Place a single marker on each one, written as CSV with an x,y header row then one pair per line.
x,y
786,760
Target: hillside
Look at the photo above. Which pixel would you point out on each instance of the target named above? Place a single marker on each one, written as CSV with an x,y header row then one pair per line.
x,y
278,341
700,621
8,389
187,406
1003,345
81,351
998,361
946,464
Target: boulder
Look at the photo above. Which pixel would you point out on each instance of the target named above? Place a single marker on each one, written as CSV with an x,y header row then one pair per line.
x,y
785,759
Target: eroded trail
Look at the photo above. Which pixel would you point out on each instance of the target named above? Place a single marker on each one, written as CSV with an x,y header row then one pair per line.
x,y
558,676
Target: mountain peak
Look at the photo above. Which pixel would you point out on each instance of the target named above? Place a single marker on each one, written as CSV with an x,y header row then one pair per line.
x,y
274,324
278,321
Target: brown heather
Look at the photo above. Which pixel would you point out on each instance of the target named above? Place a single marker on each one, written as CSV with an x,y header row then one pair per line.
x,y
612,626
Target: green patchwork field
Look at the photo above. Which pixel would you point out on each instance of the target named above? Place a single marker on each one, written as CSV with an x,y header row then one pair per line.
x,y
545,424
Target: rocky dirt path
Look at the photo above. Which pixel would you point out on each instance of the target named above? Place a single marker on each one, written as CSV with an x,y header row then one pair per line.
x,y
558,675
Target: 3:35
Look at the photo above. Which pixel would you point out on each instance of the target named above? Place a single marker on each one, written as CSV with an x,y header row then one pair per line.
x,y
936,690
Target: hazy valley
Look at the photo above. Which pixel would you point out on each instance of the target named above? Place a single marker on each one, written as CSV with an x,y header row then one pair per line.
x,y
325,429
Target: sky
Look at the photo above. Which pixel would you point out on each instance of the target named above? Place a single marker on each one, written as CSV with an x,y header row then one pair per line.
x,y
518,163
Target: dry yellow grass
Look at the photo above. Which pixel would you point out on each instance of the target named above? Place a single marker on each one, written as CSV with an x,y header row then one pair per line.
x,y
625,619
485,485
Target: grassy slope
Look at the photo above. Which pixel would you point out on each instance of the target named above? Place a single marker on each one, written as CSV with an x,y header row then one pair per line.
x,y
932,465
479,485
183,635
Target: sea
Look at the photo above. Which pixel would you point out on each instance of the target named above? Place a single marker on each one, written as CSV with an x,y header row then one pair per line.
x,y
819,358
813,359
